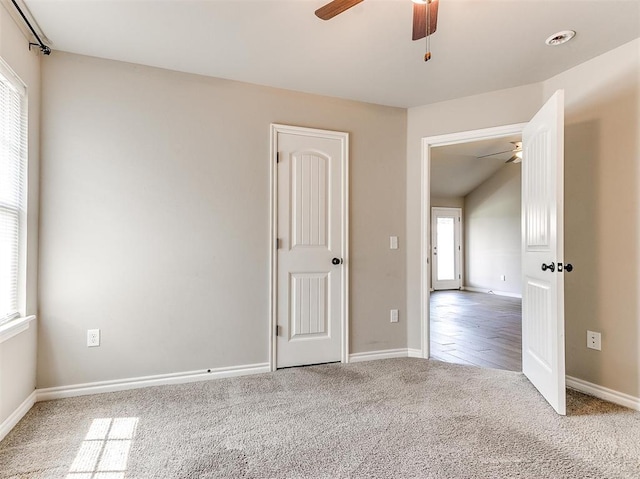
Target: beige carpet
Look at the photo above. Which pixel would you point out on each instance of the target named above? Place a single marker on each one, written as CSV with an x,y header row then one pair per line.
x,y
397,418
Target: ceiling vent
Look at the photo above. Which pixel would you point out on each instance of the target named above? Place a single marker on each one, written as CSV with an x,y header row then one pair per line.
x,y
560,38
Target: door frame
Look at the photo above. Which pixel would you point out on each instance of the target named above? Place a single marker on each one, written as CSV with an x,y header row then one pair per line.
x,y
343,137
458,252
425,209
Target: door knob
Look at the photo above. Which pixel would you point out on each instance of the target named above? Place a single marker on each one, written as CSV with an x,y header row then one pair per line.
x,y
568,267
336,261
551,267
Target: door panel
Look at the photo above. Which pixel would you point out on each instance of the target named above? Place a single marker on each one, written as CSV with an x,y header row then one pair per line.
x,y
309,218
311,231
543,360
308,316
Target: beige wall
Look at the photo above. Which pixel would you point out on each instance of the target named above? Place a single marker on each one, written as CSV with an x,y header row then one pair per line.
x,y
492,233
18,354
602,216
504,107
155,218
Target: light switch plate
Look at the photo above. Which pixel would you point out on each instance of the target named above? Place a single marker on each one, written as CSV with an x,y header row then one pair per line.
x,y
393,242
394,315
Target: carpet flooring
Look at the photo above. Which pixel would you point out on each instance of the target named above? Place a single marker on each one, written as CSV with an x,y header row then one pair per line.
x,y
395,418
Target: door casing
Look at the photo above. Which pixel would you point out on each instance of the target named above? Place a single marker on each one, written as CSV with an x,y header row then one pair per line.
x,y
273,232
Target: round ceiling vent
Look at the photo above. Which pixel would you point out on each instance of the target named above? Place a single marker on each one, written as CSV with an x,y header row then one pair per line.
x,y
560,38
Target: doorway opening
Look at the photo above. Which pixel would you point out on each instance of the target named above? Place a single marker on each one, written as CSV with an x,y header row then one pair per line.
x,y
543,352
476,317
446,248
476,320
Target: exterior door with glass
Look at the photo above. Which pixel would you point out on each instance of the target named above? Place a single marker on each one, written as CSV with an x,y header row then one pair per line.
x,y
446,249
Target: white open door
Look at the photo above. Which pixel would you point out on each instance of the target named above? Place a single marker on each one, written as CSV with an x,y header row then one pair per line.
x,y
543,251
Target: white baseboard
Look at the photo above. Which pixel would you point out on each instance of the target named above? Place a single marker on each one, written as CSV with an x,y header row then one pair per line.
x,y
146,381
601,392
9,423
373,355
492,291
414,353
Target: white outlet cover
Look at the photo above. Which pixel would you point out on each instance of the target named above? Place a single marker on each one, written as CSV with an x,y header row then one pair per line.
x,y
93,338
594,340
394,315
393,242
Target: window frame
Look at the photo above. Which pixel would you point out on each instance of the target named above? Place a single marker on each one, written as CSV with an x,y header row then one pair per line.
x,y
12,324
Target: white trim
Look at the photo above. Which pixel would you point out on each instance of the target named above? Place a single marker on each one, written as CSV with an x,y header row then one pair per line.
x,y
384,354
601,392
343,137
492,291
13,78
11,328
273,246
425,208
414,353
15,417
146,381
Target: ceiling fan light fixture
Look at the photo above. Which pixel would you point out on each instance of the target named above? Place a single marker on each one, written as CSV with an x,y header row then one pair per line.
x,y
560,38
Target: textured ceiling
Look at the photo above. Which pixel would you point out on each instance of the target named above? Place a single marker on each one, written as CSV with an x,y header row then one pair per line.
x,y
365,54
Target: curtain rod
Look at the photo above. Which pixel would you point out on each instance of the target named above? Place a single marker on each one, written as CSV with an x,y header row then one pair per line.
x,y
43,48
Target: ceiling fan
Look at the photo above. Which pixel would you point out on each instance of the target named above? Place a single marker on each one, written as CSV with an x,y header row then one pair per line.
x,y
422,10
516,150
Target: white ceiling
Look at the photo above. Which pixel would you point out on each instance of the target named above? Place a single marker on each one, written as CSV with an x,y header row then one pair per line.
x,y
456,170
365,54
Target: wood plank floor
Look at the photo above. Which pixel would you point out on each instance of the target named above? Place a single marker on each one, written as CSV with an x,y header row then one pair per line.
x,y
476,328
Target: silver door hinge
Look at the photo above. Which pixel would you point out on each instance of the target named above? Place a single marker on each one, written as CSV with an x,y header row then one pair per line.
x,y
277,330
278,243
277,157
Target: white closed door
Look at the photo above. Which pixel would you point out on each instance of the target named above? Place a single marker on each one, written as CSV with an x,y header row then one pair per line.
x,y
543,359
446,249
311,246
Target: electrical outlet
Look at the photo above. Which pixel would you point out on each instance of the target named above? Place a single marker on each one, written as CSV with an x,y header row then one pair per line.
x,y
393,242
503,277
394,315
594,340
93,338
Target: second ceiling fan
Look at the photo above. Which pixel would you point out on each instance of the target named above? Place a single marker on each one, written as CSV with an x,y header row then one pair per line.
x,y
422,10
516,151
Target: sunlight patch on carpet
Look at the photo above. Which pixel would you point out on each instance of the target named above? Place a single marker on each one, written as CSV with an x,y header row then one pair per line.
x,y
104,453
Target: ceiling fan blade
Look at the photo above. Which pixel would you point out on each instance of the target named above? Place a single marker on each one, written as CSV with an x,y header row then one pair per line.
x,y
497,153
334,8
420,19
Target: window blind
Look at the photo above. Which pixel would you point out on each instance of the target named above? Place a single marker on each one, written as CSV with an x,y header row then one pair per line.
x,y
13,159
